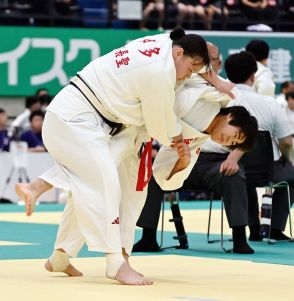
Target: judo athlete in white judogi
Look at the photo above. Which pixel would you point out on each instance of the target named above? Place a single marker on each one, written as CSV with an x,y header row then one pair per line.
x,y
132,86
198,105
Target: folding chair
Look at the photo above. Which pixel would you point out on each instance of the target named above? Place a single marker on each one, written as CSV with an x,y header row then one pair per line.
x,y
258,164
221,240
173,198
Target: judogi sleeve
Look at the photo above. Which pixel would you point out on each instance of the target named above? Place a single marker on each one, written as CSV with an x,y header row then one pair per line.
x,y
157,103
164,163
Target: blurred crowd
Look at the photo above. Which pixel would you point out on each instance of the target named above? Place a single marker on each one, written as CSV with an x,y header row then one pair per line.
x,y
27,126
156,14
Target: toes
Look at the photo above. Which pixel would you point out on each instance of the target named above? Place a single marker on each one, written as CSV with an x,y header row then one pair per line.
x,y
144,282
28,209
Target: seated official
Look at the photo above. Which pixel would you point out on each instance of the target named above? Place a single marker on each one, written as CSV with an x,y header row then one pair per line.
x,y
271,117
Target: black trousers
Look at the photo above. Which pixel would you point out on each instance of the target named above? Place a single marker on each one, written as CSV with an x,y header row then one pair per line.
x,y
205,173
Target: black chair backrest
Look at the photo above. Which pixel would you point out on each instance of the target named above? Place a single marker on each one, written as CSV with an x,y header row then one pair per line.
x,y
258,163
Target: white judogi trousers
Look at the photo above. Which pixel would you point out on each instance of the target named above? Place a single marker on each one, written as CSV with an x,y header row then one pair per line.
x,y
92,175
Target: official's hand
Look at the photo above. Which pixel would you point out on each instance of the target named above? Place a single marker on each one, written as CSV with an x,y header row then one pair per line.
x,y
229,167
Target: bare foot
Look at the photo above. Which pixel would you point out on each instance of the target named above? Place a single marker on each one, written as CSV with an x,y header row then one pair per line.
x,y
126,257
29,193
126,275
70,270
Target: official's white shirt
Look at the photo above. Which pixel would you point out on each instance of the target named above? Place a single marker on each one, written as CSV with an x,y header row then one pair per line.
x,y
290,116
269,114
281,99
264,80
136,83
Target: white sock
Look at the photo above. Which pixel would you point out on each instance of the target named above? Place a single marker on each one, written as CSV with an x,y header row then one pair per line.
x,y
59,261
113,263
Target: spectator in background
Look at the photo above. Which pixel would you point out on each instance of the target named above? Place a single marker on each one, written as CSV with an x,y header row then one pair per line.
x,y
259,10
151,7
22,122
45,101
42,91
215,8
44,97
188,10
4,139
33,136
286,87
290,109
264,78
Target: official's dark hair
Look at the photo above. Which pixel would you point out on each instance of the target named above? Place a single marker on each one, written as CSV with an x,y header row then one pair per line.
x,y
290,94
193,44
2,111
247,123
240,66
31,100
37,113
259,48
285,84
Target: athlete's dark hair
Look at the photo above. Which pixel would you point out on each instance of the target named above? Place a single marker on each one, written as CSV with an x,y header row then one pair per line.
x,y
247,123
193,44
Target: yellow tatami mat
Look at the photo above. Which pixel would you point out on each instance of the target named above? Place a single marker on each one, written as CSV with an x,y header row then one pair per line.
x,y
186,276
176,278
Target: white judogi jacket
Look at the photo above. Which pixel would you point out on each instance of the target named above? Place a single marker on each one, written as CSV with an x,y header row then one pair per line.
x,y
196,105
136,84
